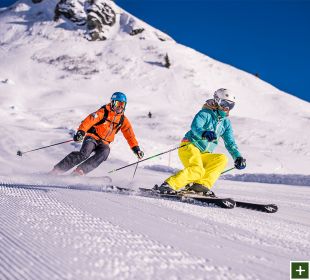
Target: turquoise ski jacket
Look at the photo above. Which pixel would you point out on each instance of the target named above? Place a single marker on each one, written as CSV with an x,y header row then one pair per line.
x,y
208,119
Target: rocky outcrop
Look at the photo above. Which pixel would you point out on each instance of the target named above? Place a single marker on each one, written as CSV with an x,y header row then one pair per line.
x,y
136,31
74,10
100,16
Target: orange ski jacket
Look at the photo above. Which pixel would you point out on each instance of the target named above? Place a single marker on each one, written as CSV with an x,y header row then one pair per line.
x,y
105,123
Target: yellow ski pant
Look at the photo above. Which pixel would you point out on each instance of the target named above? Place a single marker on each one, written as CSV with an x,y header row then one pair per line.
x,y
200,168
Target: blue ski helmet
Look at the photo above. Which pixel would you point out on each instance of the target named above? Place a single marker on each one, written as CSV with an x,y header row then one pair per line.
x,y
118,102
119,96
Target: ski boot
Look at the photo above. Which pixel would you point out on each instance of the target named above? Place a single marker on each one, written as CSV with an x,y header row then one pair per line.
x,y
164,188
200,189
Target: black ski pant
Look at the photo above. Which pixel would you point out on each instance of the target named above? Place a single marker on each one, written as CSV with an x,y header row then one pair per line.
x,y
81,158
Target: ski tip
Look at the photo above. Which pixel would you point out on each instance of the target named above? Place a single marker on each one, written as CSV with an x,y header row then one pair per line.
x,y
228,203
267,208
271,208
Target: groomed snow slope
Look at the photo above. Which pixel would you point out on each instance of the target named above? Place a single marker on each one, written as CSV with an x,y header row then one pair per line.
x,y
51,233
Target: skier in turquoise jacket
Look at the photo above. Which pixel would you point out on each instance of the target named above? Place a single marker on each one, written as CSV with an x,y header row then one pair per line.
x,y
201,167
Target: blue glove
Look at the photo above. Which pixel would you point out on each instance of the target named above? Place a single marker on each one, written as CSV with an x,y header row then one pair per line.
x,y
78,137
209,135
138,152
240,163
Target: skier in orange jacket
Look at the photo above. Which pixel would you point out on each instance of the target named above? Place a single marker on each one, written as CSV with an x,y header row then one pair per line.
x,y
99,130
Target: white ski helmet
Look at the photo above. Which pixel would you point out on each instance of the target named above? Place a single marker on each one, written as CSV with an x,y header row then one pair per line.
x,y
224,98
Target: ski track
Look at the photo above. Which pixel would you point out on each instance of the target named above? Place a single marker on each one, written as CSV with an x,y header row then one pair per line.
x,y
49,233
45,237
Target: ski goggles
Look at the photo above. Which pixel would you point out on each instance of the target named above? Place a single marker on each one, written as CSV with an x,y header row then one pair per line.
x,y
224,103
119,104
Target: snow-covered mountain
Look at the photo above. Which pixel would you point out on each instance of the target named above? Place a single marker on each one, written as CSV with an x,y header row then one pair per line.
x,y
52,76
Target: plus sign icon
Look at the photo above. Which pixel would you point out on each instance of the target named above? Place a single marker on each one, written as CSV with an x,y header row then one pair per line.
x,y
299,270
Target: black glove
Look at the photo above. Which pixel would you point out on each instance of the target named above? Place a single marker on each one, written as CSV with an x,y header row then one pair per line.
x,y
209,135
78,136
138,152
240,163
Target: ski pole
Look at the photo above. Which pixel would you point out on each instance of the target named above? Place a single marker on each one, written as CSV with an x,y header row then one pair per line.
x,y
228,170
135,171
148,158
20,153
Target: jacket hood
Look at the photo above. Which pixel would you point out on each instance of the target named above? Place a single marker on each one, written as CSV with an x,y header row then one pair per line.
x,y
210,104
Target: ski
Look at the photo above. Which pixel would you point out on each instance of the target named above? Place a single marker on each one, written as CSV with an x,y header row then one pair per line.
x,y
119,189
268,208
227,203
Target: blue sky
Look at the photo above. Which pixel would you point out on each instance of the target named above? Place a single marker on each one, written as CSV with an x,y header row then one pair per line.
x,y
271,38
